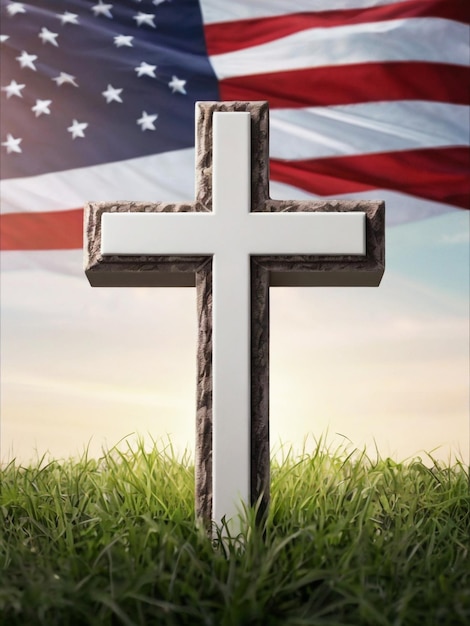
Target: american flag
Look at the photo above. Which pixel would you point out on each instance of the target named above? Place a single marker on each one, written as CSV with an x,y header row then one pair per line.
x,y
368,99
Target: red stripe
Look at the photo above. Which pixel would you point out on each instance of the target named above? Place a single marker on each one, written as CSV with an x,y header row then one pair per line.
x,y
54,230
438,174
350,84
230,36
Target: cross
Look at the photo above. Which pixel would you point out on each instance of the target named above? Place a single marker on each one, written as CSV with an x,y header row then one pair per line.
x,y
232,243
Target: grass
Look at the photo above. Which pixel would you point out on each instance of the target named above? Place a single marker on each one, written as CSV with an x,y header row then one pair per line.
x,y
347,540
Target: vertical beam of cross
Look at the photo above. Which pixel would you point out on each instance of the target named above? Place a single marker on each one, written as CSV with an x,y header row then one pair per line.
x,y
231,183
234,231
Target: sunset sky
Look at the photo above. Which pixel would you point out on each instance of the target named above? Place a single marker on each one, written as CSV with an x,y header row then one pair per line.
x,y
385,367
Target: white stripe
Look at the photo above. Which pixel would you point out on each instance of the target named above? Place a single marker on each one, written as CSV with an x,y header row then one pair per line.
x,y
416,39
399,207
150,178
367,128
216,11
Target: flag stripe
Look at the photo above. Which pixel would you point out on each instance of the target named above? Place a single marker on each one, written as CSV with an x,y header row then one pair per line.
x,y
366,97
240,34
403,205
367,128
347,84
416,172
59,230
394,40
217,11
145,178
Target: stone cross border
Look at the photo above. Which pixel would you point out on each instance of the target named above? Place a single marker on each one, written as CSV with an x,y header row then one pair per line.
x,y
233,243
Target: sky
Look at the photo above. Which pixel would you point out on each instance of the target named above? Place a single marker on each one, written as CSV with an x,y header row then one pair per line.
x,y
361,96
382,368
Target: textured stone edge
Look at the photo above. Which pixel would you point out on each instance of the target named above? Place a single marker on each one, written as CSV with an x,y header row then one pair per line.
x,y
259,115
131,270
203,451
260,450
332,270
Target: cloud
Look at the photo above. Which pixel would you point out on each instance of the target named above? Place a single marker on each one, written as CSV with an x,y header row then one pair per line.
x,y
456,238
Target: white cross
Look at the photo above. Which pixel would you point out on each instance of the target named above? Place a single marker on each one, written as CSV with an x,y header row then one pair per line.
x,y
231,235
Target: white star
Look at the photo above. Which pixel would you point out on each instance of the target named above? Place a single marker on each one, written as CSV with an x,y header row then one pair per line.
x,y
77,129
123,40
102,9
27,60
47,37
15,7
42,107
112,94
68,18
146,122
177,84
13,89
4,38
12,144
65,78
145,18
145,69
